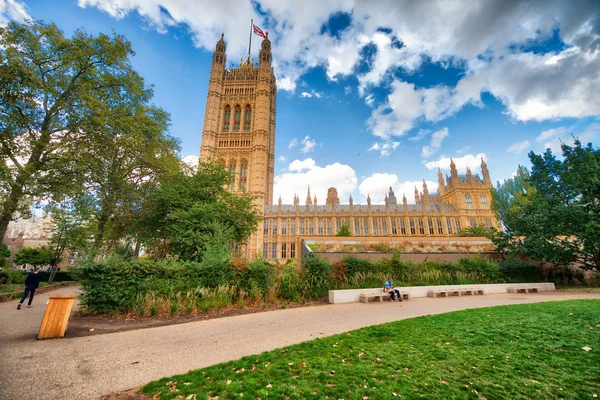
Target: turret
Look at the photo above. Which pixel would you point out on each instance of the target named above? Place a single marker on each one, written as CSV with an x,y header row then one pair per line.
x,y
308,199
296,200
417,197
469,175
265,56
219,57
440,182
485,172
453,171
279,202
332,197
392,197
368,201
425,196
315,200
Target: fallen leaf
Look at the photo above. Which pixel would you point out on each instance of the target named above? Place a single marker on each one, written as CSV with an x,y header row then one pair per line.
x,y
586,348
290,364
269,386
228,381
394,394
571,314
361,354
92,330
443,381
303,365
332,373
330,385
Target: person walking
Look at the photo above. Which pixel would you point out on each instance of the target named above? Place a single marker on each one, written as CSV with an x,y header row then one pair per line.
x,y
32,282
391,289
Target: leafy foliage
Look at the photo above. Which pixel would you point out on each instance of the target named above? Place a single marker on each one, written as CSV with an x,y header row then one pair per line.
x,y
317,276
476,231
553,213
34,255
344,231
185,212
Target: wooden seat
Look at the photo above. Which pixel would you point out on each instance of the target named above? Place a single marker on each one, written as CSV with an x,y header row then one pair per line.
x,y
365,297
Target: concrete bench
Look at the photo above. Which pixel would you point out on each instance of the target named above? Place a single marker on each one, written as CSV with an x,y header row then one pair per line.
x,y
522,289
365,297
446,292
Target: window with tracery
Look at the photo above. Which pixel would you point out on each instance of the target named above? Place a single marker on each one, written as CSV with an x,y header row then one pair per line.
x,y
469,201
483,201
232,174
243,175
237,117
247,118
226,118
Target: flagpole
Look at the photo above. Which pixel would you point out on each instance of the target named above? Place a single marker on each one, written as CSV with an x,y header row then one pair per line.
x,y
250,40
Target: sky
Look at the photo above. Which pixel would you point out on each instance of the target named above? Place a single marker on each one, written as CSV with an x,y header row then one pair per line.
x,y
371,94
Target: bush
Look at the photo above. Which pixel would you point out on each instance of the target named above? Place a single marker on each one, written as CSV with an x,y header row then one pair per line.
x,y
3,278
317,276
258,275
486,269
515,270
288,284
15,277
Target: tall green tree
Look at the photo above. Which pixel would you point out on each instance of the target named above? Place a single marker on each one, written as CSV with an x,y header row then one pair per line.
x,y
37,256
59,98
553,213
185,211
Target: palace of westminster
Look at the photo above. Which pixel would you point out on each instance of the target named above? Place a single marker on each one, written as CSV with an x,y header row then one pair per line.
x,y
239,132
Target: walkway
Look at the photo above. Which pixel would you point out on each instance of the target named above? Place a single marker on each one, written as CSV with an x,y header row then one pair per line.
x,y
89,367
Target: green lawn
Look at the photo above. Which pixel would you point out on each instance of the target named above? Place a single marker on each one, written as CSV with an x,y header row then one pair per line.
x,y
509,352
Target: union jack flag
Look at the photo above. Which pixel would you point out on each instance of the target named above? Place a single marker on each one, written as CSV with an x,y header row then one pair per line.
x,y
258,31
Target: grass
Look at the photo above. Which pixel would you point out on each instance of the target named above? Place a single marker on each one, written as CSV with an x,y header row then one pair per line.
x,y
517,352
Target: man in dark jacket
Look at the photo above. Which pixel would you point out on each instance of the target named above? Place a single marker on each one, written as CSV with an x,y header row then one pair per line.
x,y
31,286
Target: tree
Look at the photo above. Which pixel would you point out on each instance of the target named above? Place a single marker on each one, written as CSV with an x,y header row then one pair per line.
x,y
344,231
184,211
553,213
36,256
60,98
4,254
476,231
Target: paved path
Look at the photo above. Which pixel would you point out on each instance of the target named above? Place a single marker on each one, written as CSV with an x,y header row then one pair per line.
x,y
88,367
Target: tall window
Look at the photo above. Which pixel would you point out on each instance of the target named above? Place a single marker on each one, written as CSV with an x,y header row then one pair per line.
x,y
402,227
274,228
232,174
247,118
283,227
311,227
237,117
488,222
265,250
356,227
412,227
483,201
293,227
302,227
273,250
320,226
421,228
283,250
384,227
376,226
366,225
457,225
430,227
469,201
439,227
449,224
292,250
244,175
473,222
226,119
394,230
266,229
329,227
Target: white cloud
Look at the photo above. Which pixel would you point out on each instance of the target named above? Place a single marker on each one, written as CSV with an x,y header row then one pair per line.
x,y
191,162
337,175
378,185
293,143
298,165
551,134
420,135
468,160
310,94
517,148
462,150
281,158
369,99
308,144
436,143
553,138
13,10
385,148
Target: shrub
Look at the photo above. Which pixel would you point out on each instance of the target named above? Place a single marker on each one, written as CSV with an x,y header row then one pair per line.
x,y
15,277
288,284
483,267
258,275
515,270
317,276
3,278
356,265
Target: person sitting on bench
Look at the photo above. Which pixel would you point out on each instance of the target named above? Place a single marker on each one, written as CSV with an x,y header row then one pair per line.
x,y
391,289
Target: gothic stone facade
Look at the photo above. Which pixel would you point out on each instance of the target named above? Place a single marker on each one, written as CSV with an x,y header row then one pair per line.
x,y
239,131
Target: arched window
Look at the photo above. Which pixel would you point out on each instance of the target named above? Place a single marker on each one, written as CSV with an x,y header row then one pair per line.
x,y
469,201
244,175
232,166
247,118
226,118
483,201
237,117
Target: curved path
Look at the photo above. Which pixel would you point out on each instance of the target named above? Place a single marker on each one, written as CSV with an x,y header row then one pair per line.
x,y
89,367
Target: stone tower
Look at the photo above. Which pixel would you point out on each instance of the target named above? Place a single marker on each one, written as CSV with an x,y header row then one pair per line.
x,y
239,125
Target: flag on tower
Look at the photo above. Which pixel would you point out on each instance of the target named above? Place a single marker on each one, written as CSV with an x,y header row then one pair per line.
x,y
258,31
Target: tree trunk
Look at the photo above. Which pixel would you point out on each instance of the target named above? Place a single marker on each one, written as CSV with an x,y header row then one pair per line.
x,y
138,245
9,208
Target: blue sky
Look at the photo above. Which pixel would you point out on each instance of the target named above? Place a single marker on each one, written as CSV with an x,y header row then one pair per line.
x,y
372,94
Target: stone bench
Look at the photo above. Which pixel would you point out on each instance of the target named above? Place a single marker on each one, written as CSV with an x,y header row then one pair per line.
x,y
446,292
522,289
365,297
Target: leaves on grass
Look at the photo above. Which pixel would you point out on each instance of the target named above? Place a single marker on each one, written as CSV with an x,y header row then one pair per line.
x,y
586,348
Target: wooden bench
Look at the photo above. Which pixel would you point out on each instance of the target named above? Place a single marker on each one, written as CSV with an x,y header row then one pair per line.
x,y
446,292
365,297
522,289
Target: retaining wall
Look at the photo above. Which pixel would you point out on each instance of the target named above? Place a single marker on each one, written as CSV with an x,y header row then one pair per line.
x,y
353,295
